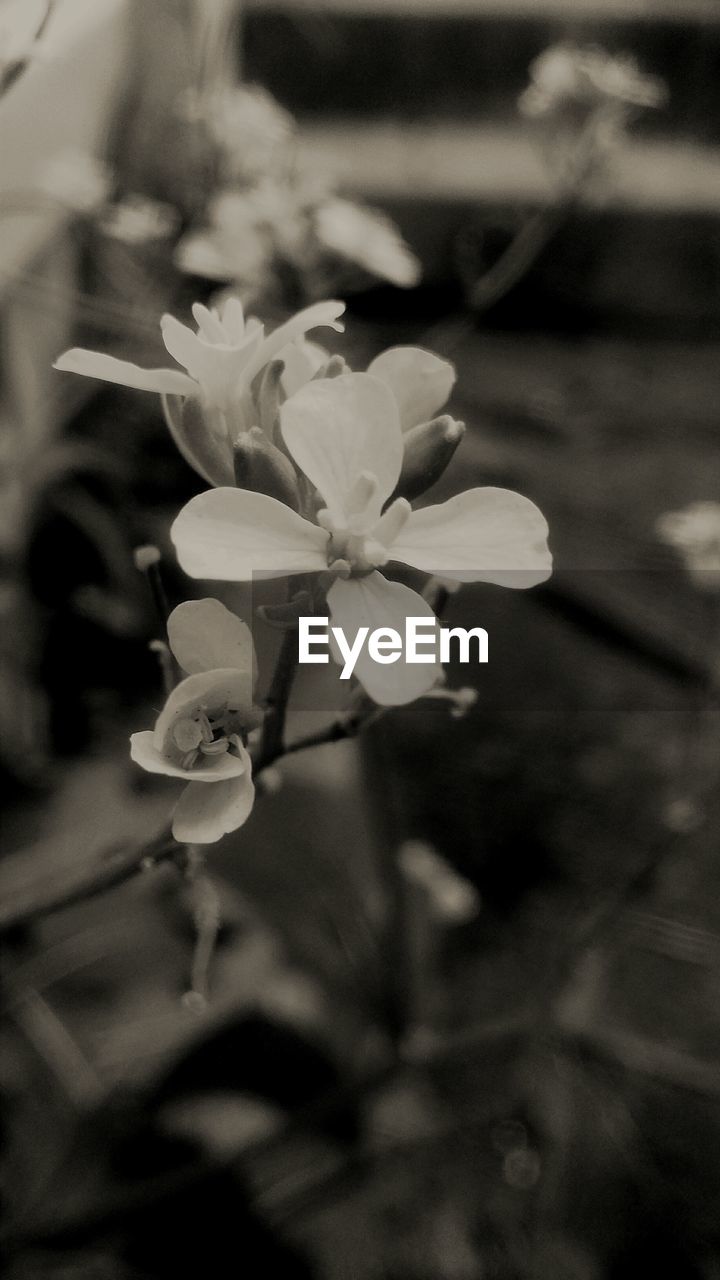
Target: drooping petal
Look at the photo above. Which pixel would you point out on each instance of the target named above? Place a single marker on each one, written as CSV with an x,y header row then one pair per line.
x,y
235,535
205,636
205,814
144,752
223,691
420,381
201,447
95,364
375,602
340,429
321,315
482,535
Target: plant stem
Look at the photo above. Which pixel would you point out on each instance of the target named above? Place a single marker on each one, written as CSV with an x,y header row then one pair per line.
x,y
115,864
271,747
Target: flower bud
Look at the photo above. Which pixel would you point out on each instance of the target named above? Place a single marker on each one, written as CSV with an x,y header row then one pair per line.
x,y
429,448
261,467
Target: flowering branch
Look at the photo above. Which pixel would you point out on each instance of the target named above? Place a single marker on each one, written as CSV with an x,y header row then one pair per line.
x,y
114,865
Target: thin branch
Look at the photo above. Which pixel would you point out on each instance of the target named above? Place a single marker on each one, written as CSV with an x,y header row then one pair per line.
x,y
535,234
271,746
119,862
110,867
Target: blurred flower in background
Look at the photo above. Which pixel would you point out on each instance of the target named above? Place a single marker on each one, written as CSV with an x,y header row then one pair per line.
x,y
252,132
271,224
80,181
568,76
694,532
138,220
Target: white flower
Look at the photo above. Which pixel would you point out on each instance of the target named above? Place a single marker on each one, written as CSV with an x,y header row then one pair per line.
x,y
221,359
138,220
694,532
76,179
574,75
199,734
367,238
345,435
251,129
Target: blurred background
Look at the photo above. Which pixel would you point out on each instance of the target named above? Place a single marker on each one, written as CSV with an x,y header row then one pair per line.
x,y
449,1004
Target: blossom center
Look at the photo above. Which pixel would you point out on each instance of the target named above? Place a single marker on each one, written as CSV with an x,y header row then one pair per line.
x,y
361,540
203,734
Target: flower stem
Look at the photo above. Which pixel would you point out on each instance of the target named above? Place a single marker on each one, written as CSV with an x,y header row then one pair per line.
x,y
277,702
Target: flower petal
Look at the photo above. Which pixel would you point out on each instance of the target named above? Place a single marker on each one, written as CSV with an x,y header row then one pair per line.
x,y
366,237
181,343
145,752
375,602
235,535
94,364
205,814
205,636
232,319
302,359
420,381
199,445
482,535
337,429
225,689
320,315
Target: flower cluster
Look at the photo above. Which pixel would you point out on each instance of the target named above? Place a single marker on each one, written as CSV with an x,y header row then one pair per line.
x,y
568,76
270,217
221,359
314,469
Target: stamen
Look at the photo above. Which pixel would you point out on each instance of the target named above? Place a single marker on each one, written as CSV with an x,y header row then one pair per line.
x,y
390,524
187,734
206,731
375,553
189,760
215,748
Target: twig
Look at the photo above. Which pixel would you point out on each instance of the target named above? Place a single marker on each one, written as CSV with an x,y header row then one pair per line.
x,y
111,867
537,232
207,920
118,863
